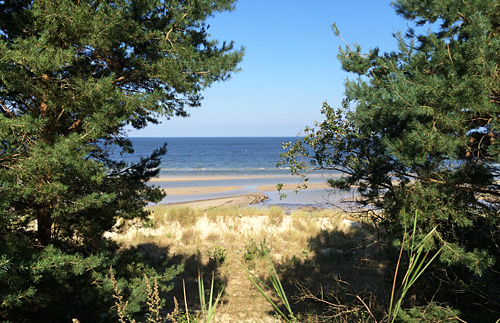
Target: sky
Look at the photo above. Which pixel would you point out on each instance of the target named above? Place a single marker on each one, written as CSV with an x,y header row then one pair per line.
x,y
289,69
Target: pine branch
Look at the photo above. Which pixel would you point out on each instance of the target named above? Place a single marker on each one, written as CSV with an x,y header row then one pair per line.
x,y
6,110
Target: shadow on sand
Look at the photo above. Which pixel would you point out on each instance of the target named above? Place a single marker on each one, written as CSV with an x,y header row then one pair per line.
x,y
184,285
342,272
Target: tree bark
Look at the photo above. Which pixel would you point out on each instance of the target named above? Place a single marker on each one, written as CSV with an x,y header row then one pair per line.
x,y
44,228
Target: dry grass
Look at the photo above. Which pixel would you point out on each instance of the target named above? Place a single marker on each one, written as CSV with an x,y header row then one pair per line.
x,y
184,215
190,236
275,215
307,247
233,212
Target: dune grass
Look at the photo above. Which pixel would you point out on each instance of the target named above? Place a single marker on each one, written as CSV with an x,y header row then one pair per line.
x,y
305,246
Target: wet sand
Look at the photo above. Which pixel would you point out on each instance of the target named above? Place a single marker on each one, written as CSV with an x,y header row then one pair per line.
x,y
217,189
202,191
291,187
212,178
199,190
232,201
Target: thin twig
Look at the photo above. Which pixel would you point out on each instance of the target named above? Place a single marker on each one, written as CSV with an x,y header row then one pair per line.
x,y
367,308
7,110
185,300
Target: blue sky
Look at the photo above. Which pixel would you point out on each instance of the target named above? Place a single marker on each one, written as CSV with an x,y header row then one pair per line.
x,y
290,66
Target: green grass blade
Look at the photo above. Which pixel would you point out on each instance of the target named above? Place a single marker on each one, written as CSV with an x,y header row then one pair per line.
x,y
201,291
211,293
208,310
278,287
257,282
418,264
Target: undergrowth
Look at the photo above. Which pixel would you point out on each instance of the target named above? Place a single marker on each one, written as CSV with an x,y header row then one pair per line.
x,y
330,266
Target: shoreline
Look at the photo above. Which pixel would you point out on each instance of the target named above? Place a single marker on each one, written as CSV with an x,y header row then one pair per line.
x,y
243,200
193,190
198,178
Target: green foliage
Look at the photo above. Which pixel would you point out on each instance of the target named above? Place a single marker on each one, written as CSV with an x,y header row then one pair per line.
x,y
74,74
217,255
418,262
147,294
430,313
254,251
186,318
418,132
277,288
208,308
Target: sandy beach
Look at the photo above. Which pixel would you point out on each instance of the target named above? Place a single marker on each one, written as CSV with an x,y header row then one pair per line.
x,y
199,190
231,201
291,187
210,178
214,191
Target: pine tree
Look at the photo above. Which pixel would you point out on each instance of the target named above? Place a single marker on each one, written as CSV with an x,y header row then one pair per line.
x,y
417,134
73,74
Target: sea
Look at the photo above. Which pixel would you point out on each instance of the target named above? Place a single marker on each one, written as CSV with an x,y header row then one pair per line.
x,y
216,156
210,159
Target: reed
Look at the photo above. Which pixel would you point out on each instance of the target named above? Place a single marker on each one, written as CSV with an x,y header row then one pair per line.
x,y
418,263
276,287
208,309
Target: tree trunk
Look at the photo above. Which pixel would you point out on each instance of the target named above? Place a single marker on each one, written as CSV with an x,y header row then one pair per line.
x,y
44,228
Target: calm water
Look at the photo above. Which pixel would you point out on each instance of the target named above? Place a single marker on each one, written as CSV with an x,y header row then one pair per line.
x,y
230,156
215,156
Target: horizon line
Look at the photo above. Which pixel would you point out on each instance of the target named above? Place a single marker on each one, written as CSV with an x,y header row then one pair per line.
x,y
296,136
